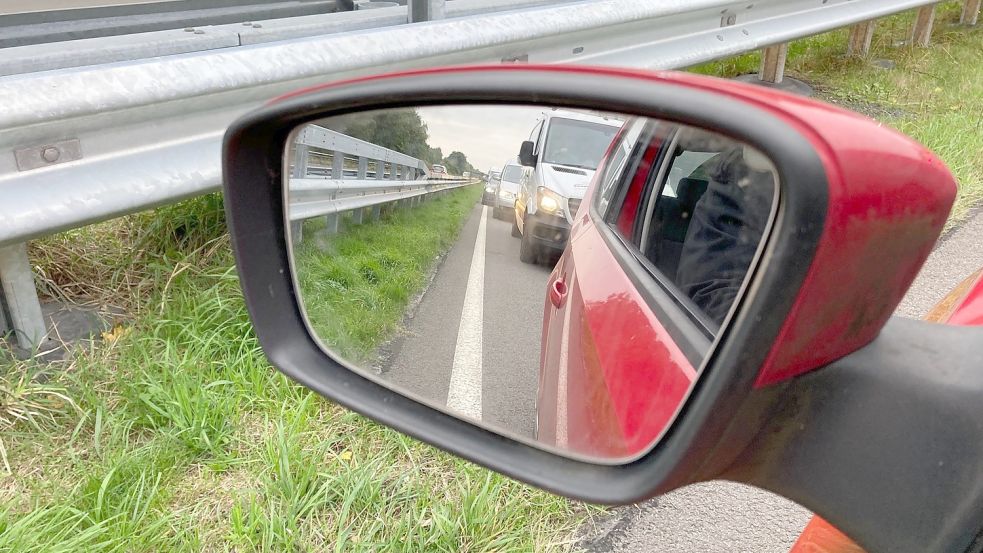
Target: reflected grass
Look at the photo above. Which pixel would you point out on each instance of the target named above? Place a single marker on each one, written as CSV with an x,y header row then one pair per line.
x,y
357,284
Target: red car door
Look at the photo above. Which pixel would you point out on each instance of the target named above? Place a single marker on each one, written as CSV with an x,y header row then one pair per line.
x,y
613,313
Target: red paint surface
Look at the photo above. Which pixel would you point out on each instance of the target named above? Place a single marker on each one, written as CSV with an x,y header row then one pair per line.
x,y
625,377
969,310
820,536
629,208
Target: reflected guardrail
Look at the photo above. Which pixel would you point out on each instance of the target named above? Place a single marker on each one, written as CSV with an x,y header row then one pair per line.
x,y
333,173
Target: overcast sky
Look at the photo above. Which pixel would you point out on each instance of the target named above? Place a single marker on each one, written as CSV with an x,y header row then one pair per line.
x,y
488,135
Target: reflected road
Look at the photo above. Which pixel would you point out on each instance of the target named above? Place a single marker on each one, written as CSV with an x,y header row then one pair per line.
x,y
474,337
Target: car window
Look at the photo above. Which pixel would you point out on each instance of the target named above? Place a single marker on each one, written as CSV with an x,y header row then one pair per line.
x,y
683,166
577,143
615,167
513,173
706,206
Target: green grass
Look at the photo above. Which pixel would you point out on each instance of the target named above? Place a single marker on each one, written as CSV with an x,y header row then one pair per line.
x,y
357,284
934,95
179,436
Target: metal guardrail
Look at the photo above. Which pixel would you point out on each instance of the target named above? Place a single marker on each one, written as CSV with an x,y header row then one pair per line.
x,y
311,198
24,22
91,143
332,173
149,132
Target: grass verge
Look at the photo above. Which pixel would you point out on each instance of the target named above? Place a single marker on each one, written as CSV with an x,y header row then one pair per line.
x,y
357,284
934,94
180,436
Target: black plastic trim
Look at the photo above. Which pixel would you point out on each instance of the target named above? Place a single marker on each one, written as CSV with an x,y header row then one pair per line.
x,y
886,443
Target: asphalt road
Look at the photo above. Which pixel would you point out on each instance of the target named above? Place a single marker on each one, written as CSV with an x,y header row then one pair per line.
x,y
724,517
472,341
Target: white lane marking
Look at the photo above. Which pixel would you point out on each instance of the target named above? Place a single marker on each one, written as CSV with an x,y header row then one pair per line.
x,y
561,380
464,394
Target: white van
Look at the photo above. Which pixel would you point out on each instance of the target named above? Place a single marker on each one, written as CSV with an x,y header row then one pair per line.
x,y
563,151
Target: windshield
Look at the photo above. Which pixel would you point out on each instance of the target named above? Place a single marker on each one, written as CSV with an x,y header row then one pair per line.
x,y
577,143
512,173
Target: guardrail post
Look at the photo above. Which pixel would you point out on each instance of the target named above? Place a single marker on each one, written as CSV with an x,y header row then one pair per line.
x,y
376,212
773,63
301,159
860,36
338,173
971,12
357,216
425,10
921,33
19,297
363,168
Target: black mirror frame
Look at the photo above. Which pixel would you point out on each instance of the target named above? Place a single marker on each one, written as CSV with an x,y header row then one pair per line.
x,y
694,448
526,157
808,438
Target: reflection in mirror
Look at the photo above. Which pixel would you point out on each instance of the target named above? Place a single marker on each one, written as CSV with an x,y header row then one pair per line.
x,y
444,251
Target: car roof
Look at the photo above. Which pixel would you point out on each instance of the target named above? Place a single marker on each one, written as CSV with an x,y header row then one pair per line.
x,y
581,116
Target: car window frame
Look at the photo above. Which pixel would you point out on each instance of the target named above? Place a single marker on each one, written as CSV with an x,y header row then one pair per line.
x,y
654,186
535,135
609,181
673,309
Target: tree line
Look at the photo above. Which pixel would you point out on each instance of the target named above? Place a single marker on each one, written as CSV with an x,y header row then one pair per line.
x,y
401,130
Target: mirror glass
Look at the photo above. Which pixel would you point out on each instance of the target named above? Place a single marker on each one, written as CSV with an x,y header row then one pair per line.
x,y
556,275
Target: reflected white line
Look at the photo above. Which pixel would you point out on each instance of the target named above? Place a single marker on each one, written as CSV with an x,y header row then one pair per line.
x,y
464,394
561,379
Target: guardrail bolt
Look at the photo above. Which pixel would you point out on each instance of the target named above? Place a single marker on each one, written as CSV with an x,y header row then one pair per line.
x,y
50,154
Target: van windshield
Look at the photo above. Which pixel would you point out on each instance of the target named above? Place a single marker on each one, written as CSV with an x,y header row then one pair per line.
x,y
577,143
512,173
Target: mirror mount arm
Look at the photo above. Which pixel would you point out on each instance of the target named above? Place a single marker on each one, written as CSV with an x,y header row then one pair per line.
x,y
833,441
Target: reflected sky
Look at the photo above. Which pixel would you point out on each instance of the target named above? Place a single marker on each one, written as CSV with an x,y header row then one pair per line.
x,y
487,135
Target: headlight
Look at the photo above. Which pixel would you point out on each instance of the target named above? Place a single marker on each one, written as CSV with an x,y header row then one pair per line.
x,y
489,189
548,200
